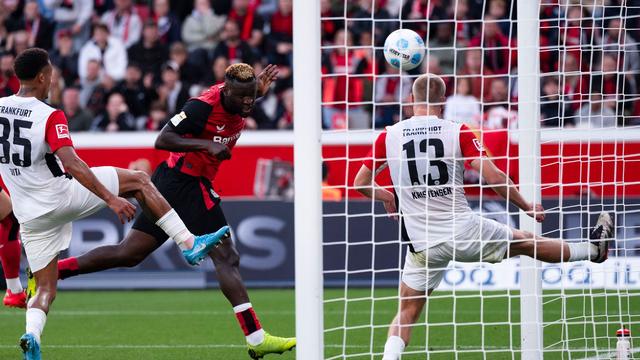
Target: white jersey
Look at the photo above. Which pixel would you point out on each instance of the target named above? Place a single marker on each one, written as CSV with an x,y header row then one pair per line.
x,y
426,157
30,132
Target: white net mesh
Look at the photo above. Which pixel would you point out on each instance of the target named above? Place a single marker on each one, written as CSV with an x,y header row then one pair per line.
x,y
589,145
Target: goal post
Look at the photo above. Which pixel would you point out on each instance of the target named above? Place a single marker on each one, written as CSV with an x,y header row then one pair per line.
x,y
529,170
307,175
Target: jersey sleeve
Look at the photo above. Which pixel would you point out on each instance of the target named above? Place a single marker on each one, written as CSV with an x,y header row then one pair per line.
x,y
192,119
57,131
377,156
470,145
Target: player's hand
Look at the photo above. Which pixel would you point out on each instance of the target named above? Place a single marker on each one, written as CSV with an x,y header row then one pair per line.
x,y
390,207
536,211
220,151
265,78
125,210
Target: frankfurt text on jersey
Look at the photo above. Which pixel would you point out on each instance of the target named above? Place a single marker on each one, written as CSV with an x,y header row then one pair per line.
x,y
9,110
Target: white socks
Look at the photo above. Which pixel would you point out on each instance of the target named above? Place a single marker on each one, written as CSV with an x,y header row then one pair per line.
x,y
582,251
393,348
14,285
176,229
36,319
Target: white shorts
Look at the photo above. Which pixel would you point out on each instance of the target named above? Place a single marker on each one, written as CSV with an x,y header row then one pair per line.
x,y
488,243
46,236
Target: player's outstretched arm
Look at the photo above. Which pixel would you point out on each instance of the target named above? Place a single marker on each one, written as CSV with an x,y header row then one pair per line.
x,y
504,186
77,168
365,184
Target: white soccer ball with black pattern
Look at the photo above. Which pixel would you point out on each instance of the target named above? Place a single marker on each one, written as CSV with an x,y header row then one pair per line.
x,y
404,49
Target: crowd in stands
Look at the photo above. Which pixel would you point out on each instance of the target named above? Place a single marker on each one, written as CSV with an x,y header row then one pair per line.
x,y
127,65
589,59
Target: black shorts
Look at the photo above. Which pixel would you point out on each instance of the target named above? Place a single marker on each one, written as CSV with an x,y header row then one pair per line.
x,y
191,197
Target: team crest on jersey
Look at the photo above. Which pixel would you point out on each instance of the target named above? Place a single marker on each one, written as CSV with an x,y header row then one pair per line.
x,y
478,145
177,118
62,131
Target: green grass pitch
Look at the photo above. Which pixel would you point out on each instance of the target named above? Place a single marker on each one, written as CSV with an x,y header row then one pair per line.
x,y
200,324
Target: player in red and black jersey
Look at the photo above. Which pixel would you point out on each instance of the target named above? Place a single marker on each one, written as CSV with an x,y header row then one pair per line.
x,y
200,137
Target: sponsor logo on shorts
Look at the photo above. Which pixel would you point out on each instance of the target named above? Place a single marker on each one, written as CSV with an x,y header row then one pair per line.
x,y
62,131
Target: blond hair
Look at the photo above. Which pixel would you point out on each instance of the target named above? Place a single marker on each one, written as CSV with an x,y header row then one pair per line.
x,y
240,72
429,88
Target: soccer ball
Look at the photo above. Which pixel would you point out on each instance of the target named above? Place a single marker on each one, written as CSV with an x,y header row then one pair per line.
x,y
404,49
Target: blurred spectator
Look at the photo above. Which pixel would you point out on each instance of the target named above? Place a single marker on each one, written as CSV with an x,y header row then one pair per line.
x,y
149,53
233,47
464,27
573,84
249,22
90,82
141,164
137,96
329,193
172,91
340,87
98,97
463,107
39,29
18,41
617,41
169,27
442,47
280,40
189,72
285,118
157,117
391,89
9,83
496,47
115,117
123,22
107,50
415,10
218,68
617,88
498,10
594,115
12,10
79,119
202,28
55,90
498,112
65,58
553,110
381,24
479,74
73,15
329,27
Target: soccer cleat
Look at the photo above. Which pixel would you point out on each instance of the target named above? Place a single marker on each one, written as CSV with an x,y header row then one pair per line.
x,y
30,347
31,285
271,345
18,300
203,244
601,235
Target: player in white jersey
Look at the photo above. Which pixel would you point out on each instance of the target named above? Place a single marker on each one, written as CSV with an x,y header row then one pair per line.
x,y
426,157
35,147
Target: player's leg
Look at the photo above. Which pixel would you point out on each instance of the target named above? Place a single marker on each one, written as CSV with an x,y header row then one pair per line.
x,y
135,247
139,185
227,260
422,273
10,251
38,308
555,250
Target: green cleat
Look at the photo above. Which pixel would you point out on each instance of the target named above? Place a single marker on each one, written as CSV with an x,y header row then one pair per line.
x,y
31,285
271,345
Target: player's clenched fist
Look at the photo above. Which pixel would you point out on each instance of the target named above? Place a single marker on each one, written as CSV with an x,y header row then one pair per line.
x,y
219,150
125,210
537,212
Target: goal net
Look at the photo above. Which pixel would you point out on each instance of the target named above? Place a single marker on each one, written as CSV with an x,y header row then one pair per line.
x,y
550,87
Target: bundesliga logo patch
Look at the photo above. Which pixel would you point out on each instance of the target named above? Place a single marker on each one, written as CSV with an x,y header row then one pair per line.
x,y
478,145
177,118
62,131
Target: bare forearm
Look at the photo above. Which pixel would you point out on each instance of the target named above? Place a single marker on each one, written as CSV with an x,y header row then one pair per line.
x,y
83,174
174,142
508,190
